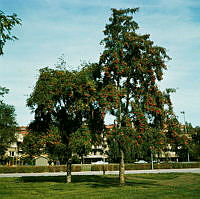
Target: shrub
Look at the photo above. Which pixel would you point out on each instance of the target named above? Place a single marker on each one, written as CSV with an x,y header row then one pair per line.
x,y
113,167
76,168
86,167
137,166
95,167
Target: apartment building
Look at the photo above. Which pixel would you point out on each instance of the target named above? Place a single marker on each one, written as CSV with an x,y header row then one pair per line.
x,y
98,153
14,152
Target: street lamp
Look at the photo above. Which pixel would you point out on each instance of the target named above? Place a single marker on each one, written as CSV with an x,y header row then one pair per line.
x,y
183,112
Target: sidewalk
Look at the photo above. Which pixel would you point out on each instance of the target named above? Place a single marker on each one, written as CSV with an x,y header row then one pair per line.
x,y
195,170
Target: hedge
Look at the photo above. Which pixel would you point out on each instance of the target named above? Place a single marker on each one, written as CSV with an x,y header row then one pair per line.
x,y
93,167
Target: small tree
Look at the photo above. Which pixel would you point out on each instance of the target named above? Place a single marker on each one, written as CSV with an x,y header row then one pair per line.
x,y
52,104
65,100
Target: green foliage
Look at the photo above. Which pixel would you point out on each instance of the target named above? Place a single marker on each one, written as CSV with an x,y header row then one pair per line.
x,y
32,169
7,23
124,83
54,105
81,142
7,115
76,159
193,143
32,145
196,143
184,140
3,91
131,67
63,102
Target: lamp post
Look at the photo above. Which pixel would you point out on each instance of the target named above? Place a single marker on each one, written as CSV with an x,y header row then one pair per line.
x,y
183,112
152,160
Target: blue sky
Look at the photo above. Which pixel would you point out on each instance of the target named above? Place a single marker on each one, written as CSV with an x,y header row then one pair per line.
x,y
51,28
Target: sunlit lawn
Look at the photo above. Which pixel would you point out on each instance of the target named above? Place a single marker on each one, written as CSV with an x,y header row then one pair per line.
x,y
172,185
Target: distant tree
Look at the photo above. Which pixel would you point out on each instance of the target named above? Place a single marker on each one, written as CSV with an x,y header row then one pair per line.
x,y
131,67
42,141
32,146
178,140
7,124
192,138
81,142
196,143
113,153
7,23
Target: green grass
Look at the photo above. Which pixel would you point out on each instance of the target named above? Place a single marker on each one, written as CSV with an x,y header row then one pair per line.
x,y
140,186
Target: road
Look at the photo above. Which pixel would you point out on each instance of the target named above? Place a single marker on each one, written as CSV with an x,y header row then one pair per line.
x,y
196,170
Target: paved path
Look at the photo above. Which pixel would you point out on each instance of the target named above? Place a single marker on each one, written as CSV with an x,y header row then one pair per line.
x,y
196,170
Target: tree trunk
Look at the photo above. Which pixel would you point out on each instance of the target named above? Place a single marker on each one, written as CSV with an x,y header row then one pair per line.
x,y
121,165
69,178
122,169
69,169
82,160
152,160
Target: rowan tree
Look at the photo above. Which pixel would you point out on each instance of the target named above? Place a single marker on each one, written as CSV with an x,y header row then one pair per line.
x,y
131,68
66,100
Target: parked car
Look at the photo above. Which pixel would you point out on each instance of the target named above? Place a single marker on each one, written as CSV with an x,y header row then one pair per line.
x,y
141,162
100,162
156,161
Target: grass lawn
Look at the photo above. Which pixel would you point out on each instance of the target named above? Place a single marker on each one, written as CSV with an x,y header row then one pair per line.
x,y
164,186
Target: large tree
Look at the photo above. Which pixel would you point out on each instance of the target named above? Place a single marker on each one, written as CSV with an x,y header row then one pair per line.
x,y
131,68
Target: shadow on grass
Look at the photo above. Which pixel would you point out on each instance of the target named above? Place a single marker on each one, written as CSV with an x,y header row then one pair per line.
x,y
94,181
60,179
